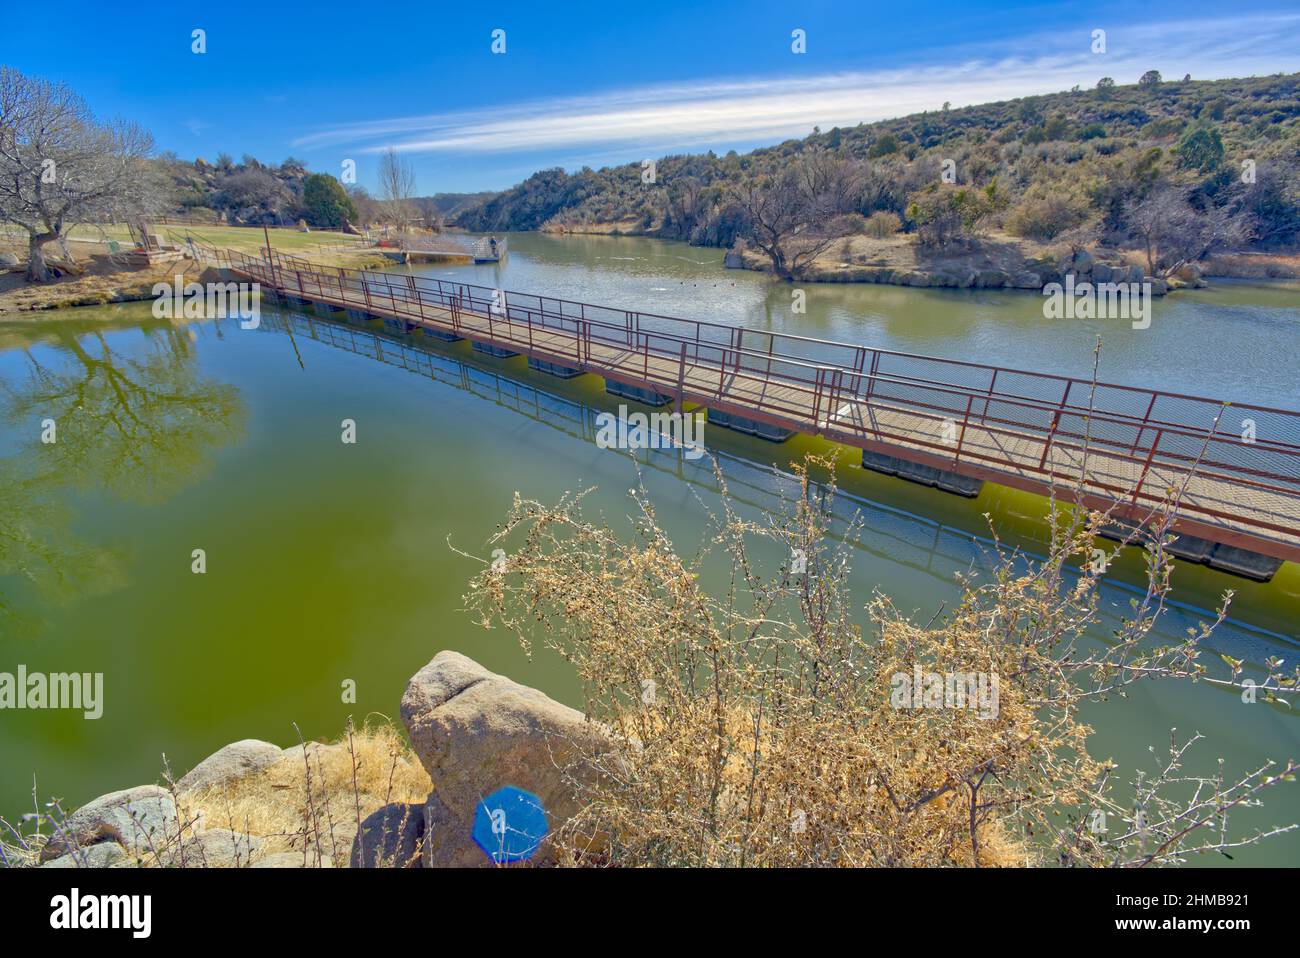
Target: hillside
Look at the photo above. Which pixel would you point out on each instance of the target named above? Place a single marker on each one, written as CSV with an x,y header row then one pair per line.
x,y
1076,162
450,205
250,192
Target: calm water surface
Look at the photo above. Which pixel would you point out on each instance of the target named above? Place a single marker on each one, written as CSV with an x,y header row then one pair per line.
x,y
329,562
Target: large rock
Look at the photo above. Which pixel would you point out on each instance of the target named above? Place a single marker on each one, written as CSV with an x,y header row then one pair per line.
x,y
237,760
475,732
8,259
391,837
733,260
103,855
1190,274
315,753
142,820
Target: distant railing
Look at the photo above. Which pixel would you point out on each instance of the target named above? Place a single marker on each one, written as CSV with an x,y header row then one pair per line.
x,y
1152,431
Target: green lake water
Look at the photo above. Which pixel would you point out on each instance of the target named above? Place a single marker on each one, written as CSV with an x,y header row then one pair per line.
x,y
328,561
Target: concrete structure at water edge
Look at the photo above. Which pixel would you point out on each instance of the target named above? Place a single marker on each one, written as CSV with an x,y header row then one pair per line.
x,y
553,369
496,352
945,479
641,394
752,427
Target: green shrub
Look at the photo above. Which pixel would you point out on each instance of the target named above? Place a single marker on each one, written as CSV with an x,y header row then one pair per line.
x,y
884,146
324,201
1201,149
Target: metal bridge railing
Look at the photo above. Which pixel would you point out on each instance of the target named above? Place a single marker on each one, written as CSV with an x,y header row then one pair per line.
x,y
839,388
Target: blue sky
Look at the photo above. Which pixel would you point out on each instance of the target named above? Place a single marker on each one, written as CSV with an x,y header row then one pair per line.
x,y
597,84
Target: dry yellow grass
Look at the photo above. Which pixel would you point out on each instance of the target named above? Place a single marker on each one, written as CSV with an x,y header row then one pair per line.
x,y
314,801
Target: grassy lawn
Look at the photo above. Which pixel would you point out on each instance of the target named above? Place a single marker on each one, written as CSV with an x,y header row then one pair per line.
x,y
243,238
246,239
105,280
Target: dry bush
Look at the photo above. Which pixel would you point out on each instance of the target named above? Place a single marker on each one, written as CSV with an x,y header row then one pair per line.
x,y
883,224
1048,210
753,723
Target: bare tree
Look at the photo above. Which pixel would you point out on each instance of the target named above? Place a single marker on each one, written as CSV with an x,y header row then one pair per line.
x,y
1174,233
1274,201
686,205
397,188
60,167
368,210
796,216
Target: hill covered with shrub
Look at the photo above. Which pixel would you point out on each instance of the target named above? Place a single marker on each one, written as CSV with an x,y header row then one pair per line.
x,y
1130,165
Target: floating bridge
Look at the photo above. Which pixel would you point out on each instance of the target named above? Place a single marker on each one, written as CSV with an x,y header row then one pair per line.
x,y
1234,468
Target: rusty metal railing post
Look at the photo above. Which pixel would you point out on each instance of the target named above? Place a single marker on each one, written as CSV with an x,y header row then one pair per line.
x,y
1146,466
1146,418
681,377
871,377
956,456
992,382
1047,443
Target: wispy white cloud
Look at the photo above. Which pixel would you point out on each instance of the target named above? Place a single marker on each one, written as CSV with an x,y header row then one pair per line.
x,y
658,119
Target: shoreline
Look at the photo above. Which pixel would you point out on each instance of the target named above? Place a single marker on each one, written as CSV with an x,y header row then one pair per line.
x,y
128,291
112,288
996,263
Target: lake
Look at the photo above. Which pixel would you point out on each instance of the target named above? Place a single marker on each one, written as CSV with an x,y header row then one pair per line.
x,y
328,562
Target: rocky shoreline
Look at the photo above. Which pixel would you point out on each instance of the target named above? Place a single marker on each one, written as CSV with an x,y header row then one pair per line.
x,y
474,733
1029,274
1036,274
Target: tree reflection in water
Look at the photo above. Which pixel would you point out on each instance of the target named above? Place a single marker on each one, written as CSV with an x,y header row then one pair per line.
x,y
134,423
